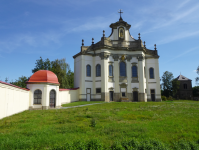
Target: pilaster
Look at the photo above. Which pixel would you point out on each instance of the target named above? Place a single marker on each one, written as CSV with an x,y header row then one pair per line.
x,y
116,78
157,76
147,79
82,95
128,66
93,74
141,96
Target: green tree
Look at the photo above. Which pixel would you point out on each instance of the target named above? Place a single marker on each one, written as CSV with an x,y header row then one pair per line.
x,y
21,82
175,86
167,79
197,78
60,68
195,90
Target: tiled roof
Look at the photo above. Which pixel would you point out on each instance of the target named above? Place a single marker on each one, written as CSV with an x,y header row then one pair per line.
x,y
183,78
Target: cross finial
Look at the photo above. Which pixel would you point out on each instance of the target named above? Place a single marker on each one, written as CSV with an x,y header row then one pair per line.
x,y
120,13
155,47
144,44
103,33
82,42
139,36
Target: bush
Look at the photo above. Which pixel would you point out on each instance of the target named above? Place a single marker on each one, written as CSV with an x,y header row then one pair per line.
x,y
170,98
163,98
93,123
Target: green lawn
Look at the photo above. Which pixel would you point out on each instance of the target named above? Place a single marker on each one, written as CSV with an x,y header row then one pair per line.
x,y
81,103
166,122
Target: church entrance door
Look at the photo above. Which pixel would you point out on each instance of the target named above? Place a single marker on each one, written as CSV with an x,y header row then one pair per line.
x,y
153,95
135,96
52,98
88,94
111,95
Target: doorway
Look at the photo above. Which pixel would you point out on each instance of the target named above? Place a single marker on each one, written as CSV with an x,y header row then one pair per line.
x,y
88,94
52,98
111,95
135,96
153,95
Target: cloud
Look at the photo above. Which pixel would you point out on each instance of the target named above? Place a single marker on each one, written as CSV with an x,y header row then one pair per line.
x,y
182,4
194,70
182,54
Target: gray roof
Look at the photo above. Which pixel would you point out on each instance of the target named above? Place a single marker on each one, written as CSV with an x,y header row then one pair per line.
x,y
183,78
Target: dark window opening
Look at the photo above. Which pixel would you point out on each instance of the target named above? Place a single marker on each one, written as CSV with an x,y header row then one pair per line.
x,y
123,94
98,90
37,97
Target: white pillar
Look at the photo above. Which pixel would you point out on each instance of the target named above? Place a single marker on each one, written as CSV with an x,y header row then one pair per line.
x,y
147,79
157,76
82,95
93,75
142,96
116,96
129,89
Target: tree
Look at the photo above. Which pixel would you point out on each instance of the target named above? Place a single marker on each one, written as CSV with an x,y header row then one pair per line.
x,y
197,78
60,68
175,86
195,90
167,79
21,82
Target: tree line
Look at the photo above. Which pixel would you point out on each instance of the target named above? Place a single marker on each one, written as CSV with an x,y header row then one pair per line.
x,y
58,66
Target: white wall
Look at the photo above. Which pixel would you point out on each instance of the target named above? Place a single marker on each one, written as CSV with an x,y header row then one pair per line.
x,y
68,96
12,100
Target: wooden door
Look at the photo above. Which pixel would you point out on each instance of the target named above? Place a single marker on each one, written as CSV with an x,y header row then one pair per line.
x,y
153,95
52,98
135,96
111,95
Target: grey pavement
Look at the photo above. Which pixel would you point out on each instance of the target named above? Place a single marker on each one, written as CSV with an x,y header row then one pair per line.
x,y
81,105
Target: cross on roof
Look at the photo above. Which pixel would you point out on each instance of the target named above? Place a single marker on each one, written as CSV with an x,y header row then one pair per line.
x,y
120,12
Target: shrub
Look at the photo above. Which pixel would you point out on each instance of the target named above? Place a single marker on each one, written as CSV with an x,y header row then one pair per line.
x,y
170,98
93,123
163,98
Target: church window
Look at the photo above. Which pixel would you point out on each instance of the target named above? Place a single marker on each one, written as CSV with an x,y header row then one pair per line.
x,y
37,96
123,94
134,71
123,69
88,70
185,86
98,70
151,73
121,33
110,70
98,90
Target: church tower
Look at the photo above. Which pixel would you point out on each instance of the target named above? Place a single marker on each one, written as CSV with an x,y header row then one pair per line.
x,y
117,68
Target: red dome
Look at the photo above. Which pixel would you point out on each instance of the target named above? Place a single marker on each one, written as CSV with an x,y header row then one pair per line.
x,y
43,76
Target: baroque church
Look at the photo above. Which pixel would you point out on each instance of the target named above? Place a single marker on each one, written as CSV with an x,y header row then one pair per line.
x,y
117,68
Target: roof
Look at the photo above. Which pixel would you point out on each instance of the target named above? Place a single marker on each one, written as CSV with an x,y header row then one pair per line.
x,y
43,76
14,86
183,78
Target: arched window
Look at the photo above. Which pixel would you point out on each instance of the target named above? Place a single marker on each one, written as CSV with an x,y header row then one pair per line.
x,y
110,70
88,70
98,70
52,98
151,73
123,69
185,86
37,96
134,71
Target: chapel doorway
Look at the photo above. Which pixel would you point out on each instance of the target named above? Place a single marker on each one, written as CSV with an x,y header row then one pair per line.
x,y
111,95
52,98
88,94
135,96
153,95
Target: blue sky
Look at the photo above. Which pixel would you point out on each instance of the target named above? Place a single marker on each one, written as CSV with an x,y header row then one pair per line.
x,y
54,29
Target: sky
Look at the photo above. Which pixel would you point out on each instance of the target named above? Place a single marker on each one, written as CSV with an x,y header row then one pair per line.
x,y
54,29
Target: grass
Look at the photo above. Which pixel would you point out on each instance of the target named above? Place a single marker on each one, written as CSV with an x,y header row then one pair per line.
x,y
109,122
81,103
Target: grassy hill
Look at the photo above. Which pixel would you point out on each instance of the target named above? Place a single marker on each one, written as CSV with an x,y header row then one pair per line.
x,y
107,123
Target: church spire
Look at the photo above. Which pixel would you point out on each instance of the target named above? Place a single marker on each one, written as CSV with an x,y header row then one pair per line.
x,y
120,15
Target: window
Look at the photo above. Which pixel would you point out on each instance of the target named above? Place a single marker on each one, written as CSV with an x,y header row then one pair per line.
x,y
88,70
98,90
151,73
37,96
123,69
98,70
123,94
134,71
110,70
185,86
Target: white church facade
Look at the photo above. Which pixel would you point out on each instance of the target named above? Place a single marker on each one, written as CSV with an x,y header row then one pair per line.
x,y
117,68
